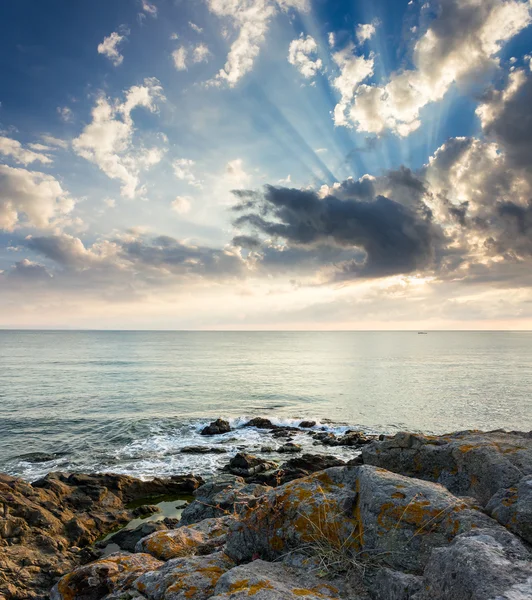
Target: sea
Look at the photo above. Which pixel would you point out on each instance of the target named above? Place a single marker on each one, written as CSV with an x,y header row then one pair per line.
x,y
129,401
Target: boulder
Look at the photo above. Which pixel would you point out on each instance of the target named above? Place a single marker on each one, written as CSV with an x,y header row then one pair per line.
x,y
271,581
127,539
353,510
513,508
355,438
395,585
184,578
479,565
261,423
202,538
298,467
203,450
216,427
289,448
247,465
468,463
307,424
112,574
224,495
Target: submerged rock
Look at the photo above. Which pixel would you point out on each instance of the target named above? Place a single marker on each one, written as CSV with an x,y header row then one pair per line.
x,y
203,450
216,427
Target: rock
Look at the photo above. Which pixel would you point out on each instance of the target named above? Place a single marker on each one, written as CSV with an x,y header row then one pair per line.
x,y
266,449
289,448
184,578
271,581
146,510
355,438
326,438
222,496
468,463
39,522
358,509
261,423
395,585
307,424
112,574
127,539
201,538
246,465
298,467
181,504
203,450
41,457
478,566
513,508
216,427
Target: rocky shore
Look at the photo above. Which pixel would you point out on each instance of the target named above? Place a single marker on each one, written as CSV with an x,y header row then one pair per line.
x,y
408,517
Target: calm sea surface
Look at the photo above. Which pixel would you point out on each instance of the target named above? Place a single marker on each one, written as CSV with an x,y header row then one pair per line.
x,y
129,401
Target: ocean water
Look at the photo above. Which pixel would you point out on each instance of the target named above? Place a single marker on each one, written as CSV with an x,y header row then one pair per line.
x,y
128,402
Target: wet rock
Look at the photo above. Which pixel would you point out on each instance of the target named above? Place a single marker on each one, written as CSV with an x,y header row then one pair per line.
x,y
202,538
97,580
246,465
224,495
311,463
282,433
39,522
261,423
203,449
477,566
146,510
289,448
41,457
468,463
216,427
271,581
266,449
184,578
307,424
127,539
513,508
355,438
326,438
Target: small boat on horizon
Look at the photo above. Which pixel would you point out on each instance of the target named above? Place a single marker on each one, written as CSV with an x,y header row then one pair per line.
x,y
422,332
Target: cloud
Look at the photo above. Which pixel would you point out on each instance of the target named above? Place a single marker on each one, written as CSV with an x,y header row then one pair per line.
x,y
365,32
354,69
65,114
302,53
201,53
179,57
108,140
184,170
460,44
31,199
252,19
195,27
182,205
149,8
109,48
53,141
15,150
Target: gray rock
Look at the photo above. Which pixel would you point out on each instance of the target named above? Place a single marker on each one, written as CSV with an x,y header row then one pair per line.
x,y
477,566
307,424
513,508
224,495
271,581
468,463
203,449
216,427
127,539
184,578
395,585
247,465
289,448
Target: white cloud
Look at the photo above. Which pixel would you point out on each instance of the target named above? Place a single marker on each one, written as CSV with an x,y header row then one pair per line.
x,y
65,113
184,170
15,150
53,141
462,42
365,32
251,18
182,204
353,70
332,39
149,8
180,58
107,140
201,53
302,54
195,27
174,36
235,173
31,198
109,48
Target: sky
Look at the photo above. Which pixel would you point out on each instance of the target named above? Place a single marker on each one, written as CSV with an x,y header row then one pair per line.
x,y
266,164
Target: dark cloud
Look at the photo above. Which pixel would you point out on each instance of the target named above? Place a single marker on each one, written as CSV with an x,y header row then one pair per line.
x,y
25,270
395,238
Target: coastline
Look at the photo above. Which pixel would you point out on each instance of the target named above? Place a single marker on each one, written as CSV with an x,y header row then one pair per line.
x,y
389,519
